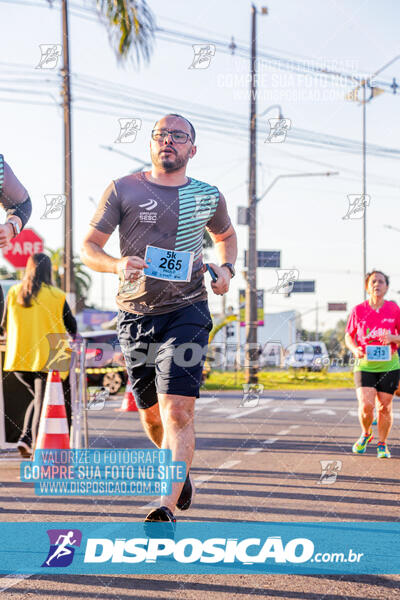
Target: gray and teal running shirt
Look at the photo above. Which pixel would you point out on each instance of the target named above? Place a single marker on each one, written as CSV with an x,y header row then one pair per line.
x,y
12,192
169,217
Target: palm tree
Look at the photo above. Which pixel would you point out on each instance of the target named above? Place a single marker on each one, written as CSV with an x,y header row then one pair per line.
x,y
57,262
131,25
83,280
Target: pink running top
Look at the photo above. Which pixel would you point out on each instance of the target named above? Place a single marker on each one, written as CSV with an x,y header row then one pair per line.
x,y
366,325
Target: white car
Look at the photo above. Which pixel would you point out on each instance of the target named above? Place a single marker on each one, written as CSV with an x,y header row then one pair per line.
x,y
312,356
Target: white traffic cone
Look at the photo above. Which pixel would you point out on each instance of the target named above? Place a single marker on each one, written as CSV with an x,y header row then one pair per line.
x,y
128,403
53,428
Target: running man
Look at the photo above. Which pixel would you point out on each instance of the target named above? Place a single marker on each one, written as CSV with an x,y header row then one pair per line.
x,y
62,542
372,335
15,200
164,306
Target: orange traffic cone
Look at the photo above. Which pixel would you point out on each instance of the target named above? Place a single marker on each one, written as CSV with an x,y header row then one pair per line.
x,y
128,403
53,428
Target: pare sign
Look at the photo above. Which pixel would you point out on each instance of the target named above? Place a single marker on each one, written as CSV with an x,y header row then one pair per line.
x,y
19,249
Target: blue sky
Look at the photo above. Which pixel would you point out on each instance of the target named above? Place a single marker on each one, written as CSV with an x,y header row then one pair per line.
x,y
302,217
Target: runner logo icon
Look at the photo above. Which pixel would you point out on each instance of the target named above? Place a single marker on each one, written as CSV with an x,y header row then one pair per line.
x,y
62,547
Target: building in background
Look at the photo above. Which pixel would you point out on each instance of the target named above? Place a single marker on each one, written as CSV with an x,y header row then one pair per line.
x,y
277,333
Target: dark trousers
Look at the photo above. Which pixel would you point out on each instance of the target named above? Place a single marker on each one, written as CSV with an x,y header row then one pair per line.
x,y
36,384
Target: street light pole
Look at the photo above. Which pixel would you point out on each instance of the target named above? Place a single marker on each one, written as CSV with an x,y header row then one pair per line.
x,y
353,96
251,361
69,282
285,175
143,162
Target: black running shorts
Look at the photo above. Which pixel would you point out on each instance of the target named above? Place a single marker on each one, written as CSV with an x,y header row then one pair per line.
x,y
385,381
165,353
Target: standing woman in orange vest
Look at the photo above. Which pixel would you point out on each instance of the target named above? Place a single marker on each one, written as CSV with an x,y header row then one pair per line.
x,y
37,320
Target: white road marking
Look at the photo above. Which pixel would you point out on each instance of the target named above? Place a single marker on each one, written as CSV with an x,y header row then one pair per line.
x,y
280,409
199,480
202,479
113,403
323,411
12,580
294,426
251,410
315,401
229,464
254,450
283,432
221,410
151,504
205,400
270,441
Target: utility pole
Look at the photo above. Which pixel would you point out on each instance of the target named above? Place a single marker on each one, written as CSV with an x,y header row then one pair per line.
x,y
251,360
69,281
364,188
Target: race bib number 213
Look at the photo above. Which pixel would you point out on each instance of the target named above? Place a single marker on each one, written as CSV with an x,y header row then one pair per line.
x,y
378,353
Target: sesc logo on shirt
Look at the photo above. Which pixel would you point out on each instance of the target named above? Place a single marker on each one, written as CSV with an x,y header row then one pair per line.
x,y
146,216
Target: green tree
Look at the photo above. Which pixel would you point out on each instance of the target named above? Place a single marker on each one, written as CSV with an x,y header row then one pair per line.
x,y
131,25
334,340
83,279
6,274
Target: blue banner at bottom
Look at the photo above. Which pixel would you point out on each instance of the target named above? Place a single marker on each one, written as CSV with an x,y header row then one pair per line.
x,y
195,548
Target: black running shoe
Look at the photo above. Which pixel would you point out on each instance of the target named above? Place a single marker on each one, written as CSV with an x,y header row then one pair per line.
x,y
24,449
187,494
160,523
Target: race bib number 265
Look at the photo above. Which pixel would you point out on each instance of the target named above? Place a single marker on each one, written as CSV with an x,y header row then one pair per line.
x,y
171,265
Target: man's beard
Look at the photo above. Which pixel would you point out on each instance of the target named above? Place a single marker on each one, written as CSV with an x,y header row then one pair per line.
x,y
169,162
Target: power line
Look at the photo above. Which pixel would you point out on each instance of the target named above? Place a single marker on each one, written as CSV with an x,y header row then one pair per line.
x,y
307,65
211,120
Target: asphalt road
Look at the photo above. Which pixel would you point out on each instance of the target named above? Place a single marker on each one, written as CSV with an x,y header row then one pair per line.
x,y
251,464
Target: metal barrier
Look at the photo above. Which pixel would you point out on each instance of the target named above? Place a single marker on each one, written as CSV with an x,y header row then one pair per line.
x,y
13,406
79,396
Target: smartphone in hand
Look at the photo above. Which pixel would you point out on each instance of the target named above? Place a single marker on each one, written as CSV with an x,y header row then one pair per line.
x,y
213,274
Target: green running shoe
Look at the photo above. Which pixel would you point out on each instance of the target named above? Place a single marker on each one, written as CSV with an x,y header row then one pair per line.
x,y
360,447
382,451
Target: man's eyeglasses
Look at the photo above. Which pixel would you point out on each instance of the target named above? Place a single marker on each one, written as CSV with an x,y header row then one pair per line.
x,y
179,137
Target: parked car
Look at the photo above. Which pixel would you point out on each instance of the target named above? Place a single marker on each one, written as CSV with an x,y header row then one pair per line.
x,y
312,356
105,365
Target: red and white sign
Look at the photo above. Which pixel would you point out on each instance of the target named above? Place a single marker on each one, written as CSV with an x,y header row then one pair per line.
x,y
18,251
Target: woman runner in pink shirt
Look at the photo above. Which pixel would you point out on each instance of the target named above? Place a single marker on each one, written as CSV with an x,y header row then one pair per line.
x,y
372,335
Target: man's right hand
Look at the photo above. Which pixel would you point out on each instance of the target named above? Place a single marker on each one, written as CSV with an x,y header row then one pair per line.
x,y
6,234
131,267
358,352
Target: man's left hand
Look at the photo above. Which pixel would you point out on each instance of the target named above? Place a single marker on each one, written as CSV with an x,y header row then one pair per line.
x,y
221,286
